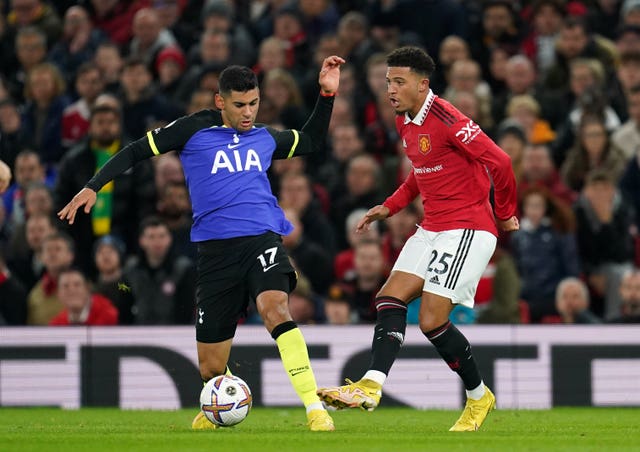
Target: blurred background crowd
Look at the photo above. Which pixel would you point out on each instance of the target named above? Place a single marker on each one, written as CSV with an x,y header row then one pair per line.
x,y
555,83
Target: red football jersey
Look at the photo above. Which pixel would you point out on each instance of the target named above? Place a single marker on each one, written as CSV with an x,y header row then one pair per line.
x,y
102,312
452,159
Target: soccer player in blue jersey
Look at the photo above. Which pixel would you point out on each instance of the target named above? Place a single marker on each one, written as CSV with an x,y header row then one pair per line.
x,y
237,223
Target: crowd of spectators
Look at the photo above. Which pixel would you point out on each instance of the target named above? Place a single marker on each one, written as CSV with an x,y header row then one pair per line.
x,y
556,83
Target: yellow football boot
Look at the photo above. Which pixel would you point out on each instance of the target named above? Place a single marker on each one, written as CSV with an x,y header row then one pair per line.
x,y
364,394
200,422
475,412
320,421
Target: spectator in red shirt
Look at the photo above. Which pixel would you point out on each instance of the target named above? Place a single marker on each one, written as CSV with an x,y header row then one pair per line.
x,y
115,17
75,118
80,306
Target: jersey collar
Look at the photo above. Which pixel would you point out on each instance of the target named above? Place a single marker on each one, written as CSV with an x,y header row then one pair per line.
x,y
422,114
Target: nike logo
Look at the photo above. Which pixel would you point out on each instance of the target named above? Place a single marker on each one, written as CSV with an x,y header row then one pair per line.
x,y
230,146
298,370
265,269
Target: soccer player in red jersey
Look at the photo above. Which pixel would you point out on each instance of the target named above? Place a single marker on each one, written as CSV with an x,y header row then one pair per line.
x,y
453,164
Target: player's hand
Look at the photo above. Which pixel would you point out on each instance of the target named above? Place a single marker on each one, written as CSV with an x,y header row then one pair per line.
x,y
5,176
329,78
512,224
376,213
85,197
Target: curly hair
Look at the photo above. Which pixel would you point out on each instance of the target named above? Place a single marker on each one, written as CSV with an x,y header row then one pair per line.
x,y
414,58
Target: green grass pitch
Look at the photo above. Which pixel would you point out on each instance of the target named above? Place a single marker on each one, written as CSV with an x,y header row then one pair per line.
x,y
273,429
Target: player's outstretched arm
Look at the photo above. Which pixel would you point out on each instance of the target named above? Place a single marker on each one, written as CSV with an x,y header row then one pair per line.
x,y
376,213
85,197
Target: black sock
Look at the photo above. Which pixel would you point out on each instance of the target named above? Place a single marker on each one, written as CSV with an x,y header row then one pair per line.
x,y
389,333
456,351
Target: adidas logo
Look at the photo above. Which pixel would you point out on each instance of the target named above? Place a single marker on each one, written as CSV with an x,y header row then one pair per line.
x,y
397,335
434,280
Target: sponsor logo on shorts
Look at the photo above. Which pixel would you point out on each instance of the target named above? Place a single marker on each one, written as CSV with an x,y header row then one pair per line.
x,y
434,280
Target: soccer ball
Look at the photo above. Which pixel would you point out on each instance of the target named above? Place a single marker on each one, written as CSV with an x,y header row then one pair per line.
x,y
226,400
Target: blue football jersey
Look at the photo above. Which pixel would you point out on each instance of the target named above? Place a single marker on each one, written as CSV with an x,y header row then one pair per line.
x,y
225,170
226,173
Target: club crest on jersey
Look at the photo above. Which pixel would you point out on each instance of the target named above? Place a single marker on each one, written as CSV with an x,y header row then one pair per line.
x,y
424,143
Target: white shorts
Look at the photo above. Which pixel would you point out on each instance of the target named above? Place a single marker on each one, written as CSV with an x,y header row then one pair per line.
x,y
450,262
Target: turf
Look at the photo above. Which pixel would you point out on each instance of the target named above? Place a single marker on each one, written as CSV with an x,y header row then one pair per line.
x,y
272,429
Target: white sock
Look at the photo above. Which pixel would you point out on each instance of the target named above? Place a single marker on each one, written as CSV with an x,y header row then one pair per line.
x,y
476,393
315,406
375,375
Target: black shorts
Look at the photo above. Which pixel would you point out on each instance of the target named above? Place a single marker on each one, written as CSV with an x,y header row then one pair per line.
x,y
232,272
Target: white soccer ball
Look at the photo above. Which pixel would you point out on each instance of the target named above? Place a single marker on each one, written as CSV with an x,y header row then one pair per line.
x,y
226,400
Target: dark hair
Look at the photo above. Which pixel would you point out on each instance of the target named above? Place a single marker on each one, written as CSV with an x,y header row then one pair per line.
x,y
115,243
599,175
629,57
64,237
512,128
134,61
498,3
237,78
151,221
8,102
574,21
627,28
74,269
96,110
557,5
28,152
414,58
85,67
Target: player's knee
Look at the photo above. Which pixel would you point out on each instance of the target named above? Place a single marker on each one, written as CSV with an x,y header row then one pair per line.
x,y
429,322
273,308
208,370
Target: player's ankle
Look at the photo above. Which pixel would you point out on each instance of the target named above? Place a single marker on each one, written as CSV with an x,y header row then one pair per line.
x,y
373,378
314,406
370,383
